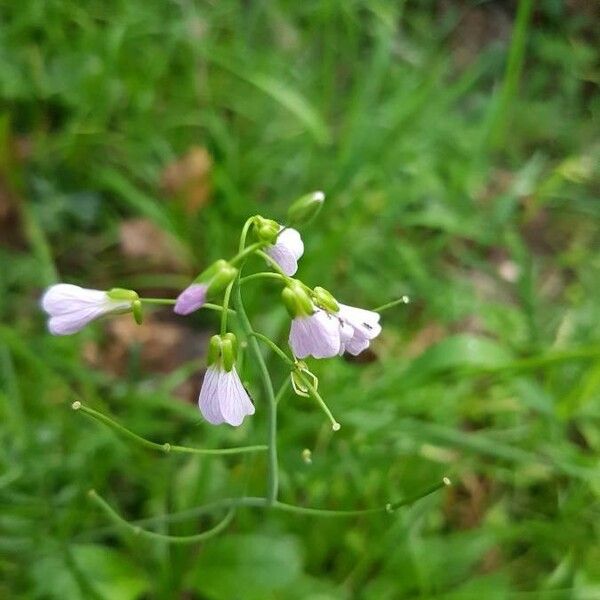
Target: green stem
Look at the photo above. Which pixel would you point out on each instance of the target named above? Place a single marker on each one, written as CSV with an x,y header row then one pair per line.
x,y
285,386
167,301
240,256
262,275
273,346
273,263
171,539
254,502
225,308
166,447
403,300
315,394
309,386
244,234
273,474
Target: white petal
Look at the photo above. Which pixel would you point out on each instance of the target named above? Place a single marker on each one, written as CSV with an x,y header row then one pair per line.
x,y
284,258
208,401
290,239
235,403
365,321
64,298
317,335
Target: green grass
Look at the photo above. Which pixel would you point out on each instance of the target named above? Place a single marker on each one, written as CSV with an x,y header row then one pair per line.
x,y
472,189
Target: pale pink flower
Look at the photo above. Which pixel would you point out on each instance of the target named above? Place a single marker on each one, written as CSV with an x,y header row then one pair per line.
x,y
71,307
223,398
191,299
287,250
315,335
357,328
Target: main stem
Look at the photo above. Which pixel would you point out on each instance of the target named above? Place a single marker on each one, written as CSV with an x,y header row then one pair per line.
x,y
273,471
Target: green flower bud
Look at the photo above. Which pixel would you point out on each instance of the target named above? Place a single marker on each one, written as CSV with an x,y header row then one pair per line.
x,y
325,300
217,277
122,294
214,350
222,349
266,230
138,313
305,209
296,300
228,351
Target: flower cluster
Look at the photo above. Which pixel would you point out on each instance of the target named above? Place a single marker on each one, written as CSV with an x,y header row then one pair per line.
x,y
321,327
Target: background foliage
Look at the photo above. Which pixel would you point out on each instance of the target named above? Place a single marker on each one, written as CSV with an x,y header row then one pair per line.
x,y
458,146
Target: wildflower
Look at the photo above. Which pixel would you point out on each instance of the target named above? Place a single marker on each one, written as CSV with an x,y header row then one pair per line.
x,y
357,328
210,282
71,307
287,249
223,398
285,245
314,332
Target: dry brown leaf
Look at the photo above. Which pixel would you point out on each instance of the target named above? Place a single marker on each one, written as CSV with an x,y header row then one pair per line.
x,y
156,346
141,239
188,179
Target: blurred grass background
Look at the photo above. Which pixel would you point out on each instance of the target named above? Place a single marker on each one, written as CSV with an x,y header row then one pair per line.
x,y
458,146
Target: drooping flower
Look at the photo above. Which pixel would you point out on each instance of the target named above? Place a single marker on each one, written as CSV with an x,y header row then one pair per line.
x,y
314,332
223,398
287,249
316,335
191,299
209,283
71,307
357,328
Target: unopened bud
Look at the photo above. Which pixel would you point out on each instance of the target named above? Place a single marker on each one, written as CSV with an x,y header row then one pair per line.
x,y
221,276
138,311
325,300
222,349
296,300
122,294
306,208
266,230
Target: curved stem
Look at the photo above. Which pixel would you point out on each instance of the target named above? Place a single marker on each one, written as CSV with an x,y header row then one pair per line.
x,y
166,447
225,307
273,346
240,256
262,275
273,264
255,502
244,234
171,539
273,474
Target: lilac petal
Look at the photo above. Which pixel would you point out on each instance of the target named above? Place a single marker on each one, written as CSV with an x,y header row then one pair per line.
x,y
346,334
356,345
64,298
72,307
317,335
71,323
235,403
287,250
364,321
191,299
284,258
208,401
